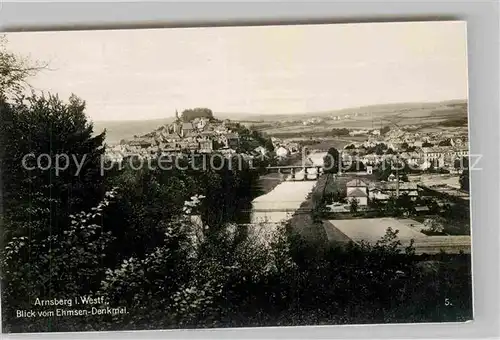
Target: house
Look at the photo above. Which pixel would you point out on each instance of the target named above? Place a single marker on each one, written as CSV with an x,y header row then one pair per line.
x,y
187,129
232,140
425,165
142,143
422,210
282,152
377,194
293,147
391,189
358,190
206,145
359,195
201,123
261,151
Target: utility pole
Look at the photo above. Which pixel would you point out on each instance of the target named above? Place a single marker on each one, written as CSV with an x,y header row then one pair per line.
x,y
339,172
397,175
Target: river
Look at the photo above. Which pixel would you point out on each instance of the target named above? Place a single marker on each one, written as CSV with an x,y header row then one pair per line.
x,y
279,204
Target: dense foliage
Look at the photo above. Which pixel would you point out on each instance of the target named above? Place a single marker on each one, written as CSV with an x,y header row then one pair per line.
x,y
392,166
464,180
250,139
191,114
454,122
332,161
340,132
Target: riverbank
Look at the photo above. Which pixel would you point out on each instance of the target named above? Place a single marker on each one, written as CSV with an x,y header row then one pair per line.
x,y
305,225
268,182
293,202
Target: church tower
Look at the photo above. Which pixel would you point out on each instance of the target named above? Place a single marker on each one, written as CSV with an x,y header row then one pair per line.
x,y
177,115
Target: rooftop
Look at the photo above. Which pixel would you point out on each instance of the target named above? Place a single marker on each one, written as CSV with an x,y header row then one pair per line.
x,y
356,183
392,185
357,193
447,190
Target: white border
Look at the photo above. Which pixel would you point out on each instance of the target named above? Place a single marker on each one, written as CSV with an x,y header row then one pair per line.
x,y
483,59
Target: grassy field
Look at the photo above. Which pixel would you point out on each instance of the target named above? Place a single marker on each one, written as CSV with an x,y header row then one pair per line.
x,y
445,108
304,224
421,115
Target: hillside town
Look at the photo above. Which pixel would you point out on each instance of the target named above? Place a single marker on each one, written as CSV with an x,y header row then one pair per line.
x,y
433,163
201,135
422,151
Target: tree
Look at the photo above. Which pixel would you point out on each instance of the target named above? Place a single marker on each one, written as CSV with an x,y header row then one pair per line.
x,y
384,170
463,164
340,132
384,130
250,139
353,205
49,148
404,146
405,203
55,238
435,225
378,149
14,71
331,161
392,207
426,144
190,114
464,180
389,166
356,166
446,142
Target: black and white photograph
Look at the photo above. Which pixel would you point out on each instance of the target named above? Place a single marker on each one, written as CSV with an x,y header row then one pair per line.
x,y
235,176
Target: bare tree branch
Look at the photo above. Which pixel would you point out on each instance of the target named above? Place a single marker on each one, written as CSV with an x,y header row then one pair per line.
x,y
15,71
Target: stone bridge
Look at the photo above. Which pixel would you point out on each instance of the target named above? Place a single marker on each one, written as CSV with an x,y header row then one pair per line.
x,y
301,170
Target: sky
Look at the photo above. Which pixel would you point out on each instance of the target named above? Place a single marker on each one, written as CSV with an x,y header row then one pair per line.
x,y
149,73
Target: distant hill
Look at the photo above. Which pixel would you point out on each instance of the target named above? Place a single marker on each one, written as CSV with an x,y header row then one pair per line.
x,y
378,110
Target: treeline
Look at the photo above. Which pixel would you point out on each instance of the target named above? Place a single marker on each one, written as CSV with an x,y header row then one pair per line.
x,y
455,122
340,132
250,139
199,112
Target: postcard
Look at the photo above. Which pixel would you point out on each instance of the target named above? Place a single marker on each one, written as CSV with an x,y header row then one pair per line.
x,y
239,176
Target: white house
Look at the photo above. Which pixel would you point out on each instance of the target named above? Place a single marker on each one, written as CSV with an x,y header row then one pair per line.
x,y
377,194
425,165
282,152
358,190
261,150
